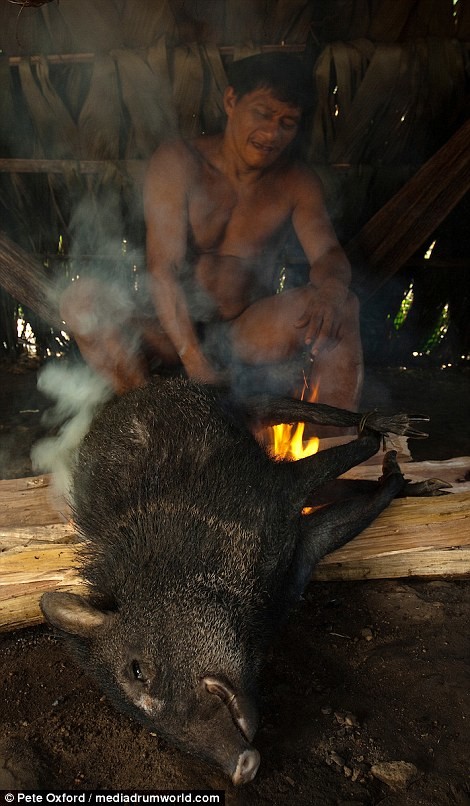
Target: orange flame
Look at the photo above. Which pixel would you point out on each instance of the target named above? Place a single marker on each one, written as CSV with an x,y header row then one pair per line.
x,y
286,441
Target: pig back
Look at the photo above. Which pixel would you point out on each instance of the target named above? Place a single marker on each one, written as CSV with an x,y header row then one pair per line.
x,y
171,468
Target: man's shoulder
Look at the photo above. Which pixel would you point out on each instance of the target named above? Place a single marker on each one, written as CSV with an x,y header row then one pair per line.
x,y
171,154
187,153
301,184
300,173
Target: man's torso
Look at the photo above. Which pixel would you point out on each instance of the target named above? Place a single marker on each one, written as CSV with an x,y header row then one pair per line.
x,y
236,231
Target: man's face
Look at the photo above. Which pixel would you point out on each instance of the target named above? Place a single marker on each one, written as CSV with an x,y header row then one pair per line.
x,y
259,126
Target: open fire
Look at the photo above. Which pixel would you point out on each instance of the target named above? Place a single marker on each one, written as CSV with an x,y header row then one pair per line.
x,y
287,441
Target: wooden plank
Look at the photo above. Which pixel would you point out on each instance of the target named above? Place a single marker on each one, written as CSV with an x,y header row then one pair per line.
x,y
413,537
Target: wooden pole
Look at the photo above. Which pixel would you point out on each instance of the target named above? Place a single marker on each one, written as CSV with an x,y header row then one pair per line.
x,y
392,236
25,279
88,58
133,169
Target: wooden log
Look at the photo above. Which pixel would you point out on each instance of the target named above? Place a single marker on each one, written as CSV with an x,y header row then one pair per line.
x,y
27,572
412,537
392,236
417,537
30,503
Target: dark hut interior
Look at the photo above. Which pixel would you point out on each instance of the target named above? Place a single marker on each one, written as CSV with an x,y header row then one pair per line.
x,y
365,699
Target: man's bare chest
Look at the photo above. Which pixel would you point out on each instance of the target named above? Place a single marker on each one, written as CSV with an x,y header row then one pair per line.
x,y
239,221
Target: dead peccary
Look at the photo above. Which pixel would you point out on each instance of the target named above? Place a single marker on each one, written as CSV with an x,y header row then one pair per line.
x,y
195,547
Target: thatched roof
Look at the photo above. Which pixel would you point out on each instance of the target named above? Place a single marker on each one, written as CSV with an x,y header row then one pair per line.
x,y
72,26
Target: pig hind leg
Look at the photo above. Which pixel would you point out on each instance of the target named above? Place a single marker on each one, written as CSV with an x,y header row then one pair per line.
x,y
268,410
335,524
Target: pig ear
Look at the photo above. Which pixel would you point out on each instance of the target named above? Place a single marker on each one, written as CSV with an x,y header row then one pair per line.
x,y
241,709
72,614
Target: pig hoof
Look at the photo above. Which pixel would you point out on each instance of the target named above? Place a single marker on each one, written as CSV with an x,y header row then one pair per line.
x,y
426,488
247,767
391,473
390,464
407,425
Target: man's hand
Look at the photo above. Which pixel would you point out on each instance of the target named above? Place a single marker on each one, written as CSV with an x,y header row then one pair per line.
x,y
323,316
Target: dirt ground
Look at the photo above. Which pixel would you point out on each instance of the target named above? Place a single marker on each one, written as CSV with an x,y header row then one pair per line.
x,y
366,679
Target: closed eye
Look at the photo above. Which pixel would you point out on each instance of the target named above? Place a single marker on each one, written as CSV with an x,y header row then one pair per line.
x,y
289,124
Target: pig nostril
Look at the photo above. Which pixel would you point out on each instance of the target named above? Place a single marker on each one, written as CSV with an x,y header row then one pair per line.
x,y
247,767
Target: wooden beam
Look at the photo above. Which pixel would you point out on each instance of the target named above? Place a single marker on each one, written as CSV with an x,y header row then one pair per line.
x,y
89,58
413,537
134,169
392,236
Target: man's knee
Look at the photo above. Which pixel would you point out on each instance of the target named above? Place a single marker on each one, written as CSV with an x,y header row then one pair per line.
x,y
79,304
89,306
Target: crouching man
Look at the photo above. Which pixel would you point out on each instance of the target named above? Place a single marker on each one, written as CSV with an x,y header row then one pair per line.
x,y
217,212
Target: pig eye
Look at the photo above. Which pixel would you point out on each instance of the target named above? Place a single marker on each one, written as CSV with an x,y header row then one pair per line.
x,y
137,671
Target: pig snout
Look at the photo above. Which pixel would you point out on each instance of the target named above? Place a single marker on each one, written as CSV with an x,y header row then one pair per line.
x,y
232,728
247,767
236,758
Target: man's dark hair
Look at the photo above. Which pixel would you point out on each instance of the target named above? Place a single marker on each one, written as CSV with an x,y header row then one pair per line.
x,y
282,73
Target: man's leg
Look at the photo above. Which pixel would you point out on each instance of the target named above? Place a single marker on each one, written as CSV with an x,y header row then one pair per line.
x,y
338,374
109,334
266,333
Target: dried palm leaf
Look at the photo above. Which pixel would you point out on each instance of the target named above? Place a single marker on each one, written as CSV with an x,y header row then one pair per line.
x,y
96,24
100,118
245,21
352,133
349,21
56,131
9,133
288,21
57,136
338,74
400,19
213,113
157,59
143,21
149,120
188,88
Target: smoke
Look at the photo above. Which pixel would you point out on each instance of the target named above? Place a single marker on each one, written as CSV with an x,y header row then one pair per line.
x,y
78,393
100,293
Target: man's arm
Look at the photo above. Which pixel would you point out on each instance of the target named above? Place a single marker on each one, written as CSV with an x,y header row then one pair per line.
x,y
166,191
330,271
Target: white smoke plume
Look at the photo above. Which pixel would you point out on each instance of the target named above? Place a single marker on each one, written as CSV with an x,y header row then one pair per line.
x,y
78,393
